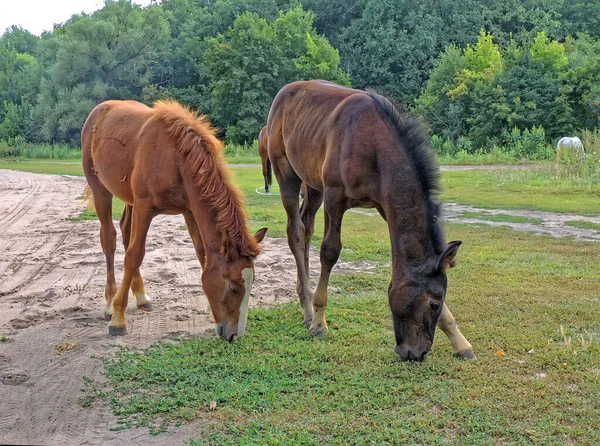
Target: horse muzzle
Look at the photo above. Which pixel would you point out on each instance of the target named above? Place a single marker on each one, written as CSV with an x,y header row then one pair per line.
x,y
227,331
407,353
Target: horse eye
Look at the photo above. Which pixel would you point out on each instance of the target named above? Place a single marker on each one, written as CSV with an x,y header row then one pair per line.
x,y
434,305
233,288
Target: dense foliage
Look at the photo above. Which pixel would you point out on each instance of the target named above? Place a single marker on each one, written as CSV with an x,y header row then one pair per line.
x,y
482,73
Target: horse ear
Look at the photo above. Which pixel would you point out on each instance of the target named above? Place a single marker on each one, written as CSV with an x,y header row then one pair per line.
x,y
260,234
446,259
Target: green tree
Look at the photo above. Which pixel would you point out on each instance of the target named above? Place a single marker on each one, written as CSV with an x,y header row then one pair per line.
x,y
521,19
20,75
582,81
393,46
551,54
248,64
111,54
481,62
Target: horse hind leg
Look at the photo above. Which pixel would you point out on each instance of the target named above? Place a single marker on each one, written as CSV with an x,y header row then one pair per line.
x,y
461,348
143,302
289,187
331,248
141,217
108,238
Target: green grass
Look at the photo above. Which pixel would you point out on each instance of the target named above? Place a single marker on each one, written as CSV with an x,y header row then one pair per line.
x,y
511,292
495,189
63,167
535,190
499,217
583,224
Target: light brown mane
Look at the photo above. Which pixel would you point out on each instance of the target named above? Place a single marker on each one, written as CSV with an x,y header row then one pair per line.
x,y
202,152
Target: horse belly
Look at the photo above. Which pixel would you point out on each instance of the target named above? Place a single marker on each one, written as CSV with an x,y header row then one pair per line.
x,y
113,165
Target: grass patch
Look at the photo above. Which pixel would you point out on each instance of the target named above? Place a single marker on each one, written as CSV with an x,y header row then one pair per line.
x,y
63,167
536,189
583,224
278,385
500,217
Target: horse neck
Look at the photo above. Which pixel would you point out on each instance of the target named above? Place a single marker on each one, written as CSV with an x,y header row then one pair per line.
x,y
206,217
410,237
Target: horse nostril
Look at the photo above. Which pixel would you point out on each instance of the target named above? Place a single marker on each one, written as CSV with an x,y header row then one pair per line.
x,y
424,355
231,338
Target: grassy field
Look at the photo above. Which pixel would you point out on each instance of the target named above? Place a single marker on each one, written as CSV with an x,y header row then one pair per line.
x,y
527,303
536,189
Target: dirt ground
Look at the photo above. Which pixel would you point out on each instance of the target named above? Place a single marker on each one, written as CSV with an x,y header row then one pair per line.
x,y
52,275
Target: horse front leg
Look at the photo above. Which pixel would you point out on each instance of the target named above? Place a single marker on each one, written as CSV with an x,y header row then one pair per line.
x,y
331,248
140,223
308,210
194,232
461,348
144,303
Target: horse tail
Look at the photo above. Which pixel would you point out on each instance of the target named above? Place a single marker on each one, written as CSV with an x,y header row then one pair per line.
x,y
88,198
269,173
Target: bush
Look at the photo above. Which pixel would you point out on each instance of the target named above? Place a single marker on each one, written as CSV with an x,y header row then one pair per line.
x,y
529,144
18,148
242,153
591,141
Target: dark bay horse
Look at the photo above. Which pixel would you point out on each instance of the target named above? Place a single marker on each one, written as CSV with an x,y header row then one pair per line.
x,y
354,149
167,160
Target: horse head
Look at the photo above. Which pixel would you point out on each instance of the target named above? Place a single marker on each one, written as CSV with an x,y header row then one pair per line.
x,y
228,284
417,301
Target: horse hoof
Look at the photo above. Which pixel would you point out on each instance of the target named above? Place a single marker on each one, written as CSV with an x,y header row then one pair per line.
x,y
146,306
307,323
465,354
318,332
117,331
107,316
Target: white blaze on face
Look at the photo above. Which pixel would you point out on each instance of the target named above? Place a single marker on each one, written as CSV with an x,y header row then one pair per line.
x,y
248,275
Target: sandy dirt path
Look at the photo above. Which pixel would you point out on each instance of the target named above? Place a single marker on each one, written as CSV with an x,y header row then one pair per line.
x,y
52,275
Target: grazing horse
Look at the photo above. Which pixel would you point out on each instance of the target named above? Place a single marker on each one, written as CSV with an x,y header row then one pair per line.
x,y
354,149
264,158
167,160
569,148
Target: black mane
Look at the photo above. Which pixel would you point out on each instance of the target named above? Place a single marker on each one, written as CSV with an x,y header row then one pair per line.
x,y
414,139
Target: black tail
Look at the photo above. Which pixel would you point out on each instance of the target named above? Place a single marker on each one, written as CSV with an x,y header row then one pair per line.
x,y
269,173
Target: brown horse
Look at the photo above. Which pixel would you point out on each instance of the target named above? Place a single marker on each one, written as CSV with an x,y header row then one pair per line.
x,y
354,149
166,160
264,158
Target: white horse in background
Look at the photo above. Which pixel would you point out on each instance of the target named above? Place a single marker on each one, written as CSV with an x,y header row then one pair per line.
x,y
569,148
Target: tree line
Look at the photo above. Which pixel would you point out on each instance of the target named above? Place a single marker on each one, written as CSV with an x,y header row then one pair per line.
x,y
477,70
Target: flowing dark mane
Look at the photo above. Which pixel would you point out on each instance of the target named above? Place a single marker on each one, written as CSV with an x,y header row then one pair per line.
x,y
413,136
203,154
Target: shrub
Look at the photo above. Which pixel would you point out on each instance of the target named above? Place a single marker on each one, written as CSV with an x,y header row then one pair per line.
x,y
529,144
242,153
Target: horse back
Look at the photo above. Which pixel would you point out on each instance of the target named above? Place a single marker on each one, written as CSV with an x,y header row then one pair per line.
x,y
334,136
123,144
